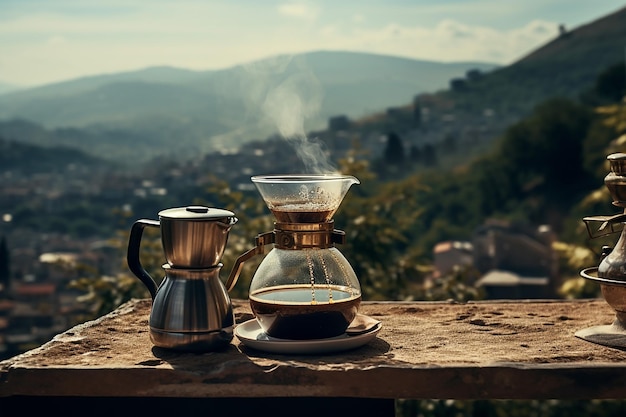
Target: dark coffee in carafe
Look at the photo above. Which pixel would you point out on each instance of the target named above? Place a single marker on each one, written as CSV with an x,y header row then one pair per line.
x,y
303,312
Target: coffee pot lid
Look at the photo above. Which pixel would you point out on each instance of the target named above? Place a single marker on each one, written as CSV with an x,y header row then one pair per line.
x,y
196,213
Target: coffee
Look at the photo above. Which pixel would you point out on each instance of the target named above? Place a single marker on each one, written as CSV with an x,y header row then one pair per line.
x,y
291,312
302,213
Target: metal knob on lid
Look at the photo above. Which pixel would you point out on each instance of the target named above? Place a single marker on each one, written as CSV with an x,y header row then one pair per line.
x,y
197,209
198,213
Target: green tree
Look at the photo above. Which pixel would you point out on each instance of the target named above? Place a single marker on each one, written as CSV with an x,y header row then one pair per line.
x,y
379,219
611,83
547,146
429,155
394,150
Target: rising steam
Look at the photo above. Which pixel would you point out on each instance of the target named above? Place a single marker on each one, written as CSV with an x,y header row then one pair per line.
x,y
288,94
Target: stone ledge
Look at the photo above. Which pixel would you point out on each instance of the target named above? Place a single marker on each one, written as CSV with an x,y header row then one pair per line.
x,y
479,350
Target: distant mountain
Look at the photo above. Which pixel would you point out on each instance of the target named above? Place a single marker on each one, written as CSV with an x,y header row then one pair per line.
x,y
208,110
566,66
25,159
111,144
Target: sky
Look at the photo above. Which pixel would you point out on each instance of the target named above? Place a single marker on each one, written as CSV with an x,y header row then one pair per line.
x,y
47,41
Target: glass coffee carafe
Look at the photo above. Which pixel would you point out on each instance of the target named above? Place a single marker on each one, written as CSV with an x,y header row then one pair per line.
x,y
304,288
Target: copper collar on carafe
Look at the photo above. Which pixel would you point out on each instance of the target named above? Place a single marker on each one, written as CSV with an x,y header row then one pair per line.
x,y
290,236
299,236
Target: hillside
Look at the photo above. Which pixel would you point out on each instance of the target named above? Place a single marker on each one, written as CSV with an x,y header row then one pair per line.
x,y
23,160
567,66
6,88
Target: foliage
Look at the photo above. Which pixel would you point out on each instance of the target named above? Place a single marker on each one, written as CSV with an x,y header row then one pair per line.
x,y
509,408
542,168
615,117
454,286
394,150
378,219
574,258
578,253
535,173
611,83
36,159
105,293
600,142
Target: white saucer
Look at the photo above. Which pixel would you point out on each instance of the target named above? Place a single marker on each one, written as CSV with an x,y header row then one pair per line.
x,y
251,334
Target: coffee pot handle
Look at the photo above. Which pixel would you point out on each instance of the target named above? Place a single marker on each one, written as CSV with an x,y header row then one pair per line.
x,y
132,256
261,240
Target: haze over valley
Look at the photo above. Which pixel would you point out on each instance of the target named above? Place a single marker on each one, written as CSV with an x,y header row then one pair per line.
x,y
221,110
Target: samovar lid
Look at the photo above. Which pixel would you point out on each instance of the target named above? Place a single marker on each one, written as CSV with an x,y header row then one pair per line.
x,y
617,161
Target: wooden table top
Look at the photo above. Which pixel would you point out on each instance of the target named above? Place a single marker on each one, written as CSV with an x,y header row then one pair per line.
x,y
478,350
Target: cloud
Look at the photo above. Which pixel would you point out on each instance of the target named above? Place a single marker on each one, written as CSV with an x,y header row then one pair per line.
x,y
56,40
213,35
299,10
450,29
358,18
447,41
539,28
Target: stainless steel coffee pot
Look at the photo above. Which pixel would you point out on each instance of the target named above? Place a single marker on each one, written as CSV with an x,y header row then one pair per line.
x,y
191,309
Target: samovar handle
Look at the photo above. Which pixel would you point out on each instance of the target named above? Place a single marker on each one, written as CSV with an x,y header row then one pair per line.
x,y
260,241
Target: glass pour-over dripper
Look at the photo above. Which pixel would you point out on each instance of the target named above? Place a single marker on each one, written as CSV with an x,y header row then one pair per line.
x,y
303,198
